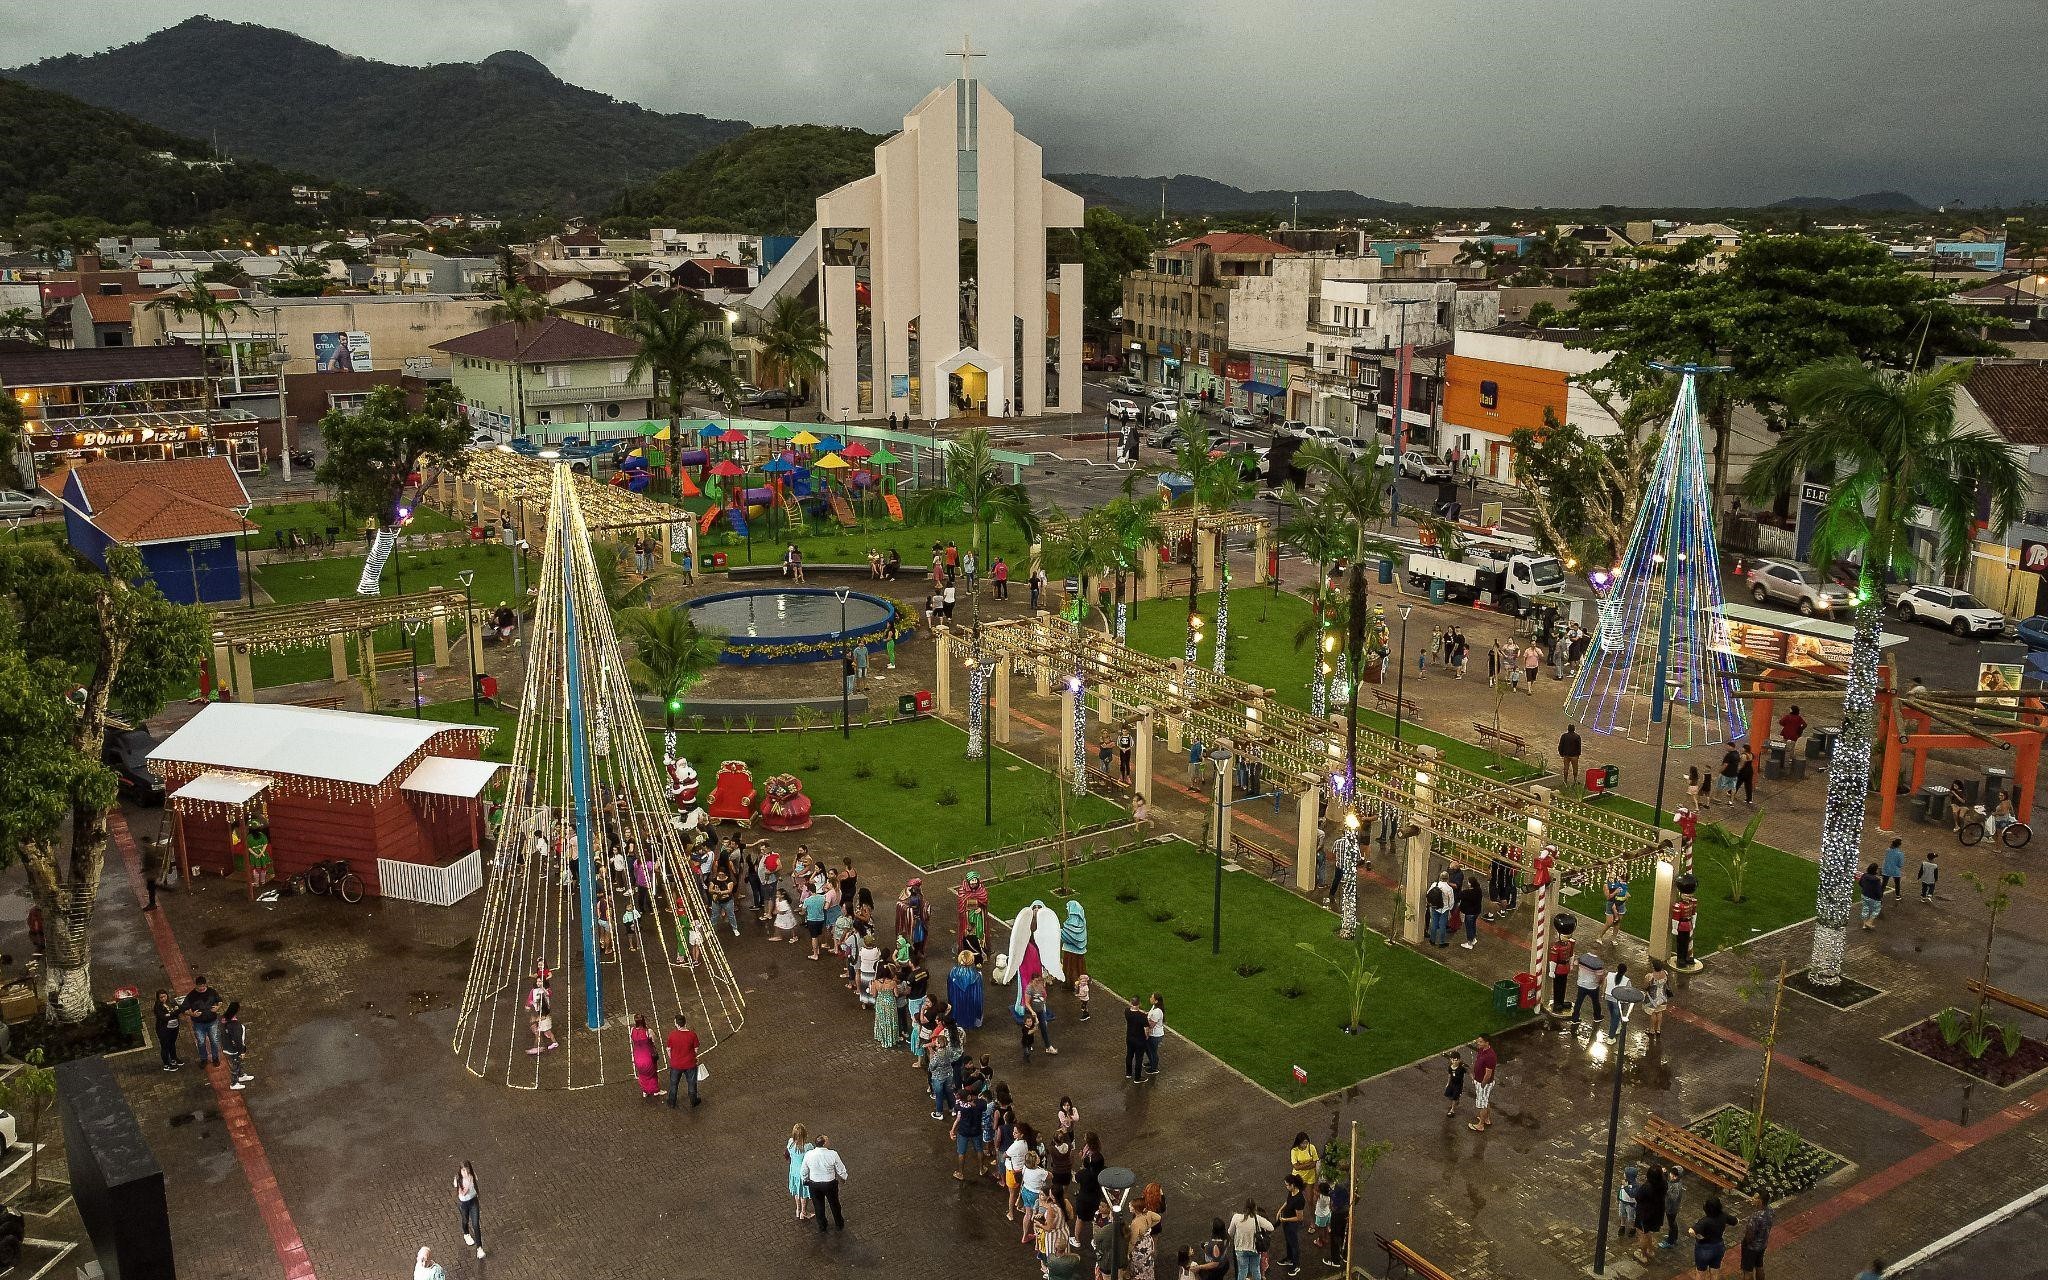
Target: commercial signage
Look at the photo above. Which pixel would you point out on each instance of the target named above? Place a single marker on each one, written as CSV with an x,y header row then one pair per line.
x,y
1815,493
2034,557
1238,370
337,351
899,386
1166,348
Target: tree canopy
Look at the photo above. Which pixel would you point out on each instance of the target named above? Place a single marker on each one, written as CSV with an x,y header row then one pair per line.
x,y
767,180
372,450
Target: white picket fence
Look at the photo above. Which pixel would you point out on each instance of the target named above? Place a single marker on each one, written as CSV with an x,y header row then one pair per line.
x,y
435,886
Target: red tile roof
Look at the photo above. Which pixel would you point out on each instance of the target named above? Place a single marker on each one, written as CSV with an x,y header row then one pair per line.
x,y
554,339
2015,398
1232,242
113,308
167,501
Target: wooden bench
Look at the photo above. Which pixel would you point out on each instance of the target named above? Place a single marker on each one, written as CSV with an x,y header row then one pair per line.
x,y
1997,995
1277,866
1388,702
330,704
1683,1147
395,659
1514,742
1410,1262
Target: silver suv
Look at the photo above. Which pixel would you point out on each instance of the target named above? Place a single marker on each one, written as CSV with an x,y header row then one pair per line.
x,y
1797,586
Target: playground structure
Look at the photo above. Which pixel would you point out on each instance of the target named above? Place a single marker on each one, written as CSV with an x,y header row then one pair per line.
x,y
589,883
1436,807
341,624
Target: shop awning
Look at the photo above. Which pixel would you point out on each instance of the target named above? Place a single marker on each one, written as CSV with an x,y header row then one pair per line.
x,y
223,788
446,776
1264,389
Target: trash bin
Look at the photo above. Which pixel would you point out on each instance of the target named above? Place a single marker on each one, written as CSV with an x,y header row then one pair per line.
x,y
1528,985
1507,996
1386,571
1437,591
1774,763
1920,806
128,1013
1997,779
1938,799
1964,793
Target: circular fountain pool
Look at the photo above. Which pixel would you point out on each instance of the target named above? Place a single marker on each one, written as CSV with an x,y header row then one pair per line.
x,y
791,624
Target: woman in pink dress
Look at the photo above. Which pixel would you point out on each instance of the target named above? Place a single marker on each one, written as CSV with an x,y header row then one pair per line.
x,y
644,1060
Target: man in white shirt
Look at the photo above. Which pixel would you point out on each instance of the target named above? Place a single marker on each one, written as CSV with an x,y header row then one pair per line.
x,y
823,1172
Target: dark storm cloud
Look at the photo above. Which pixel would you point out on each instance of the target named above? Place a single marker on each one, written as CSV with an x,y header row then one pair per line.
x,y
1432,101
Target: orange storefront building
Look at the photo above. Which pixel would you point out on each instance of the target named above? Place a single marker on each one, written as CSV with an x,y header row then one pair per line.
x,y
1487,401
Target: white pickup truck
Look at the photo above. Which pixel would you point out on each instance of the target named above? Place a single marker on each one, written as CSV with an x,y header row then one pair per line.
x,y
1509,579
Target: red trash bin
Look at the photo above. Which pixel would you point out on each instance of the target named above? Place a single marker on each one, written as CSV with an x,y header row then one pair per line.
x,y
924,702
1530,984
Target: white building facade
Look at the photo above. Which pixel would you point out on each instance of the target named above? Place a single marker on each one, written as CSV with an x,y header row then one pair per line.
x,y
935,277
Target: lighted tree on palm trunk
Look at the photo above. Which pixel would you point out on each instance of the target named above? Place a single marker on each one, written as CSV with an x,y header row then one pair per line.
x,y
1216,484
1321,533
1890,441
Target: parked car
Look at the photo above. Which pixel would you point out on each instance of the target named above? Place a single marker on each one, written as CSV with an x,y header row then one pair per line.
x,y
772,398
1424,466
1159,391
1163,411
1238,420
1797,586
2033,633
126,752
15,504
1250,459
1387,458
1123,410
1130,386
1946,607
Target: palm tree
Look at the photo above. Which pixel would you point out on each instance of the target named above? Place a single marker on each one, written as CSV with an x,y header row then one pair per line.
x,y
26,323
974,487
1217,484
1890,441
524,310
793,342
1357,490
1083,548
1134,530
198,301
1484,252
669,655
1322,533
680,347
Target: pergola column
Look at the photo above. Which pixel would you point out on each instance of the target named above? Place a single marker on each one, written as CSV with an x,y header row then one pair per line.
x,y
440,629
1041,639
337,650
1221,811
1148,572
1262,547
1664,895
245,675
1543,928
1416,847
944,690
366,656
1141,755
1000,700
1205,559
1308,829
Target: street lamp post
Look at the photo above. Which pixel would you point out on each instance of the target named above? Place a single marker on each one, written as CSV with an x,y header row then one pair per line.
x,y
1628,998
469,638
1664,760
845,667
412,630
1116,1183
1221,760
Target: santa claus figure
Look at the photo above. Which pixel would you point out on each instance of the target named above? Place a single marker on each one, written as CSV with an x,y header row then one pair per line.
x,y
682,781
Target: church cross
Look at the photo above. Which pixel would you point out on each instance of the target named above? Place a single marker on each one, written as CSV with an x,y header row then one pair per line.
x,y
966,53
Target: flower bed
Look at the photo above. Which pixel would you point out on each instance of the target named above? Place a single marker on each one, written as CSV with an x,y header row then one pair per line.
x,y
1783,1164
1996,1066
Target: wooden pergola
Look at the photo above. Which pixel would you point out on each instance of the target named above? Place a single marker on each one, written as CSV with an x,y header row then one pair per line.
x,y
237,633
495,480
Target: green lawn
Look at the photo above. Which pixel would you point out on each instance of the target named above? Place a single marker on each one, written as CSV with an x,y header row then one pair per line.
x,y
313,519
831,544
931,754
1778,887
1262,652
1418,1009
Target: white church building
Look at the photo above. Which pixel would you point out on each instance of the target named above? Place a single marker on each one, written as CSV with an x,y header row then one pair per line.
x,y
934,276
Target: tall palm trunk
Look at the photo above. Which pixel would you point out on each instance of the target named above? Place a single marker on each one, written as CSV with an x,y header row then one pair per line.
x,y
1194,601
1841,831
1222,606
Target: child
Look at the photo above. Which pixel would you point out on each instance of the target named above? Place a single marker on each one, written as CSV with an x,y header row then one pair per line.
x,y
1081,995
785,918
1626,1195
1929,872
1029,1028
1319,1228
1454,1087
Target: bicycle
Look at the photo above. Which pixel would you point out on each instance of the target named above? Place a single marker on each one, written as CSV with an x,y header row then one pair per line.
x,y
2014,835
332,878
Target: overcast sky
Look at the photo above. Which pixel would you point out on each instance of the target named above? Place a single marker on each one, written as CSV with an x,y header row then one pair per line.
x,y
1429,101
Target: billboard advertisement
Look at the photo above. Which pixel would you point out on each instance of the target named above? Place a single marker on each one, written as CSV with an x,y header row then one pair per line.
x,y
341,352
1485,395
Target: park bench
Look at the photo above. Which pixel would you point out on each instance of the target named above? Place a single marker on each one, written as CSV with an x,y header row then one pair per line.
x,y
333,703
1998,995
1386,700
395,659
1514,742
1107,779
1277,865
1683,1147
1410,1262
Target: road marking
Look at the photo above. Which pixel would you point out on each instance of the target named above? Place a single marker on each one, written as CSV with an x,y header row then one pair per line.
x,y
234,1110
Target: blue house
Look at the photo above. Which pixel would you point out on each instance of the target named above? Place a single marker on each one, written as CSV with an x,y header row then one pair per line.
x,y
185,516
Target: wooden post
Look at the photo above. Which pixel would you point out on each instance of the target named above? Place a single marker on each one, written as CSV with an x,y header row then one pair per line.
x,y
944,691
1148,572
1041,635
1416,848
1262,546
440,630
223,664
245,675
366,642
337,651
178,838
1308,828
1205,559
999,701
1141,755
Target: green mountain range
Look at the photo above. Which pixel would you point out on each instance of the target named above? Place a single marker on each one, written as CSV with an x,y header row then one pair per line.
x,y
766,180
67,160
501,135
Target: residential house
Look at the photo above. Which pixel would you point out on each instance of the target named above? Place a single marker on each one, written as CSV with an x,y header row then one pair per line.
x,y
126,404
2009,398
425,271
1602,241
733,246
1496,383
186,517
558,371
1176,314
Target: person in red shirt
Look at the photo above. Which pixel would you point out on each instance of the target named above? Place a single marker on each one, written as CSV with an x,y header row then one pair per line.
x,y
682,1060
1485,1063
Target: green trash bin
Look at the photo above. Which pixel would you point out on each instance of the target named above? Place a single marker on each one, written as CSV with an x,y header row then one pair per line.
x,y
128,1013
1507,996
1437,590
